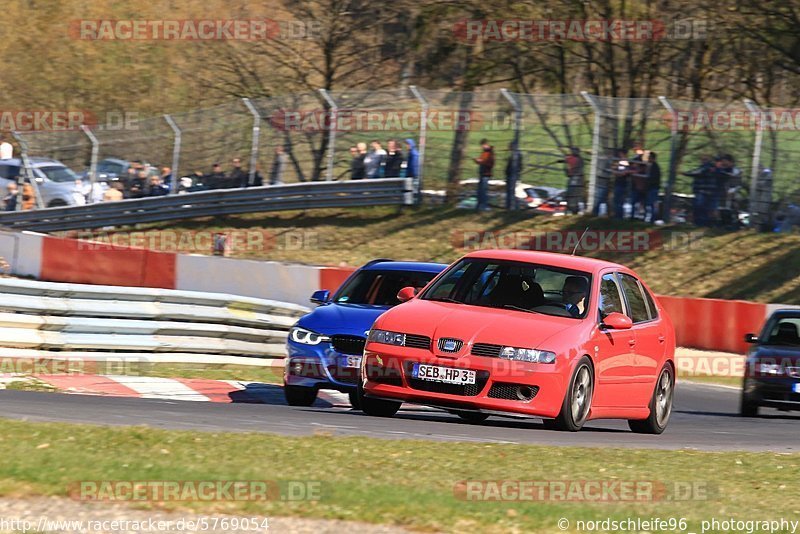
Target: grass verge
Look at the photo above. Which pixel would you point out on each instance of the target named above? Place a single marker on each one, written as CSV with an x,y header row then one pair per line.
x,y
409,483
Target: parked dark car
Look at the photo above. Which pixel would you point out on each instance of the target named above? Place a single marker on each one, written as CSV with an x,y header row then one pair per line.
x,y
772,372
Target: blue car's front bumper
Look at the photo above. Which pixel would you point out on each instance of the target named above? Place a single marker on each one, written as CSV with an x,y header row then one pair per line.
x,y
321,367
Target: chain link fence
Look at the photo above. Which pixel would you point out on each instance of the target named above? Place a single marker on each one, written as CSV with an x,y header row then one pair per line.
x,y
310,136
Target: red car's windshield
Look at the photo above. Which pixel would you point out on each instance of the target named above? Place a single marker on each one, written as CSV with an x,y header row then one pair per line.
x,y
514,285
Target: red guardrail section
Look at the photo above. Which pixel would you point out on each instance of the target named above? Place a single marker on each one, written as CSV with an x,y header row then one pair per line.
x,y
80,262
714,324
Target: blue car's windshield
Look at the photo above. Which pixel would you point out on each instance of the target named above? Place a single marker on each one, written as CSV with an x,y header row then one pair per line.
x,y
380,288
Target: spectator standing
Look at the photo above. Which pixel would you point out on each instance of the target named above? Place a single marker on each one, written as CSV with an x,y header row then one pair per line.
x,y
216,179
10,200
237,177
394,160
412,164
513,167
113,193
156,188
278,166
6,149
375,160
574,170
602,182
357,171
138,187
621,173
485,164
28,197
703,188
166,177
653,188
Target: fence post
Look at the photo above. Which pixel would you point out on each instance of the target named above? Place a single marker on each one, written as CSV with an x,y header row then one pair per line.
x,y
755,169
672,173
27,172
595,151
515,148
176,153
331,131
93,162
251,179
423,136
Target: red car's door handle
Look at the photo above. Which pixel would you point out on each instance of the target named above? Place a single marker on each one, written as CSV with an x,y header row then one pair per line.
x,y
661,339
631,342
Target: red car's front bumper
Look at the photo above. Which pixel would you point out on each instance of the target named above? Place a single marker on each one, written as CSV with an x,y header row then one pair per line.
x,y
501,385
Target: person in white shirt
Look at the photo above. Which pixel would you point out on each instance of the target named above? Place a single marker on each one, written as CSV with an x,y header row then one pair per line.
x,y
6,150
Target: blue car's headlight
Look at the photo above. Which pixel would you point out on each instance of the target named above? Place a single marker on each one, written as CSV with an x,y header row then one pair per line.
x,y
528,355
387,338
306,337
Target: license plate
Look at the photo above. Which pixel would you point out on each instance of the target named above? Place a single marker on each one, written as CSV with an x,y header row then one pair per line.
x,y
447,375
796,388
353,361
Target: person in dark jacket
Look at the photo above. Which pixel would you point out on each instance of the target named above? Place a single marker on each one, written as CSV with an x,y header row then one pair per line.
x,y
357,169
216,179
653,188
513,168
10,200
393,165
573,167
485,166
238,177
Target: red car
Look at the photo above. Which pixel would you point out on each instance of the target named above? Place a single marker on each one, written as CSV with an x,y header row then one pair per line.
x,y
502,332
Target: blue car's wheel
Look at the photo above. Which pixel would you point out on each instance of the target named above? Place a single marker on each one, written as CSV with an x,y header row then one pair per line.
x,y
299,396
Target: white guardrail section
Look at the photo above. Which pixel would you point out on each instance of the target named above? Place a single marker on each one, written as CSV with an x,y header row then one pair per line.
x,y
46,319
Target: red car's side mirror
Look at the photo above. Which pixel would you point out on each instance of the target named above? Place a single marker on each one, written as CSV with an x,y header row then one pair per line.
x,y
406,294
617,321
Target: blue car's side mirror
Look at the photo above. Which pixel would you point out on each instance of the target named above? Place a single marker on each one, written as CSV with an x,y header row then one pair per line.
x,y
321,296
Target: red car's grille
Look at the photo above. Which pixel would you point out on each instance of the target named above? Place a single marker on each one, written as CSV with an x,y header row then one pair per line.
x,y
418,342
486,349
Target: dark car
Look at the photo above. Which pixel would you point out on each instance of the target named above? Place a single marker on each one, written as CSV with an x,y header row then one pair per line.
x,y
772,372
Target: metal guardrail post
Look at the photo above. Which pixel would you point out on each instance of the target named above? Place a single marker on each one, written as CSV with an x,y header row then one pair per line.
x,y
755,169
595,151
251,179
515,142
423,136
672,173
176,153
332,125
93,162
27,172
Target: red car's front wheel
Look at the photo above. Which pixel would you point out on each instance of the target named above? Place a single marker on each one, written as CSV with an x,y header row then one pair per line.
x,y
577,401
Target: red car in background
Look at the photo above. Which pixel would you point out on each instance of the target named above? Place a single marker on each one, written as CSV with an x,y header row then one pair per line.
x,y
564,338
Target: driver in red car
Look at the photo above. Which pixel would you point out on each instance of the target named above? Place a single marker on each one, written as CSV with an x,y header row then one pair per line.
x,y
574,294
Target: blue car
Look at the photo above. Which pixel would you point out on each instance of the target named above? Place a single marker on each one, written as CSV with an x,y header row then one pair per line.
x,y
325,346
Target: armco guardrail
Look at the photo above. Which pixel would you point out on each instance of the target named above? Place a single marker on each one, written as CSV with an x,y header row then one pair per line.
x,y
48,316
394,191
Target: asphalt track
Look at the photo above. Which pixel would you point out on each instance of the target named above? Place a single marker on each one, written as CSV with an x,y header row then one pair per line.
x,y
703,418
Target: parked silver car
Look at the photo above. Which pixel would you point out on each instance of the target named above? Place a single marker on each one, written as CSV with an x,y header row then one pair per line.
x,y
57,184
